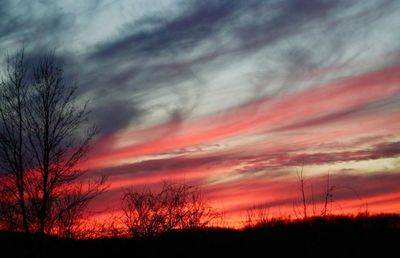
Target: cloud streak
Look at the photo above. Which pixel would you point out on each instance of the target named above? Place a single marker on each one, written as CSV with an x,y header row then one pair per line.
x,y
325,104
231,95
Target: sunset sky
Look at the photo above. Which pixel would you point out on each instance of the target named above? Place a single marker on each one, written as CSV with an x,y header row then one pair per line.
x,y
236,97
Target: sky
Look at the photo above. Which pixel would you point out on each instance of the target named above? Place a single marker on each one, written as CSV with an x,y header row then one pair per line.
x,y
236,97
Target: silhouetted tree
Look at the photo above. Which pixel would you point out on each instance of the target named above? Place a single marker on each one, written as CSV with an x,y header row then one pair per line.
x,y
13,102
328,196
302,190
175,206
42,148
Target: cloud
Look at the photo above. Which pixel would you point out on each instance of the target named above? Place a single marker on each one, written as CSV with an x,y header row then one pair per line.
x,y
287,158
115,115
280,195
161,167
273,84
333,104
227,30
34,24
219,167
383,150
251,22
191,45
198,22
153,53
350,193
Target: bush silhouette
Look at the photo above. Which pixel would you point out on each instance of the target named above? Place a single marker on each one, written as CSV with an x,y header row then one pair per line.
x,y
175,206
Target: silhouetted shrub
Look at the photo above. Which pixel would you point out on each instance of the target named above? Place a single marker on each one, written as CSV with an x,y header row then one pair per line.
x,y
175,206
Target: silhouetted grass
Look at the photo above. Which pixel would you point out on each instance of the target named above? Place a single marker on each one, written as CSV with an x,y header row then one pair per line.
x,y
333,236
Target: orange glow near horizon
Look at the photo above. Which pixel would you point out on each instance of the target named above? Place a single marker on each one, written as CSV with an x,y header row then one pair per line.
x,y
249,155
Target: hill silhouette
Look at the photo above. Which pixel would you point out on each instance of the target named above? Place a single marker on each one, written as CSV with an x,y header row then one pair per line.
x,y
334,236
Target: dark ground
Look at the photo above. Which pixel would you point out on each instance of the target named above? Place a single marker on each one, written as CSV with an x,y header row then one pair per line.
x,y
372,236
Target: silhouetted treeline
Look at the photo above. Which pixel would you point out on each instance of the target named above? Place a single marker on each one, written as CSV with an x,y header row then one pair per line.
x,y
335,236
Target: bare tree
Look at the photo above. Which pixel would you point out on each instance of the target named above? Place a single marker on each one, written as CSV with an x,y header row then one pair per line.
x,y
13,101
67,217
54,137
302,190
328,196
176,206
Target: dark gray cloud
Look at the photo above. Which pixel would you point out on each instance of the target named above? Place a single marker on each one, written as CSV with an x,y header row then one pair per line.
x,y
113,116
160,55
199,22
252,22
33,24
143,60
